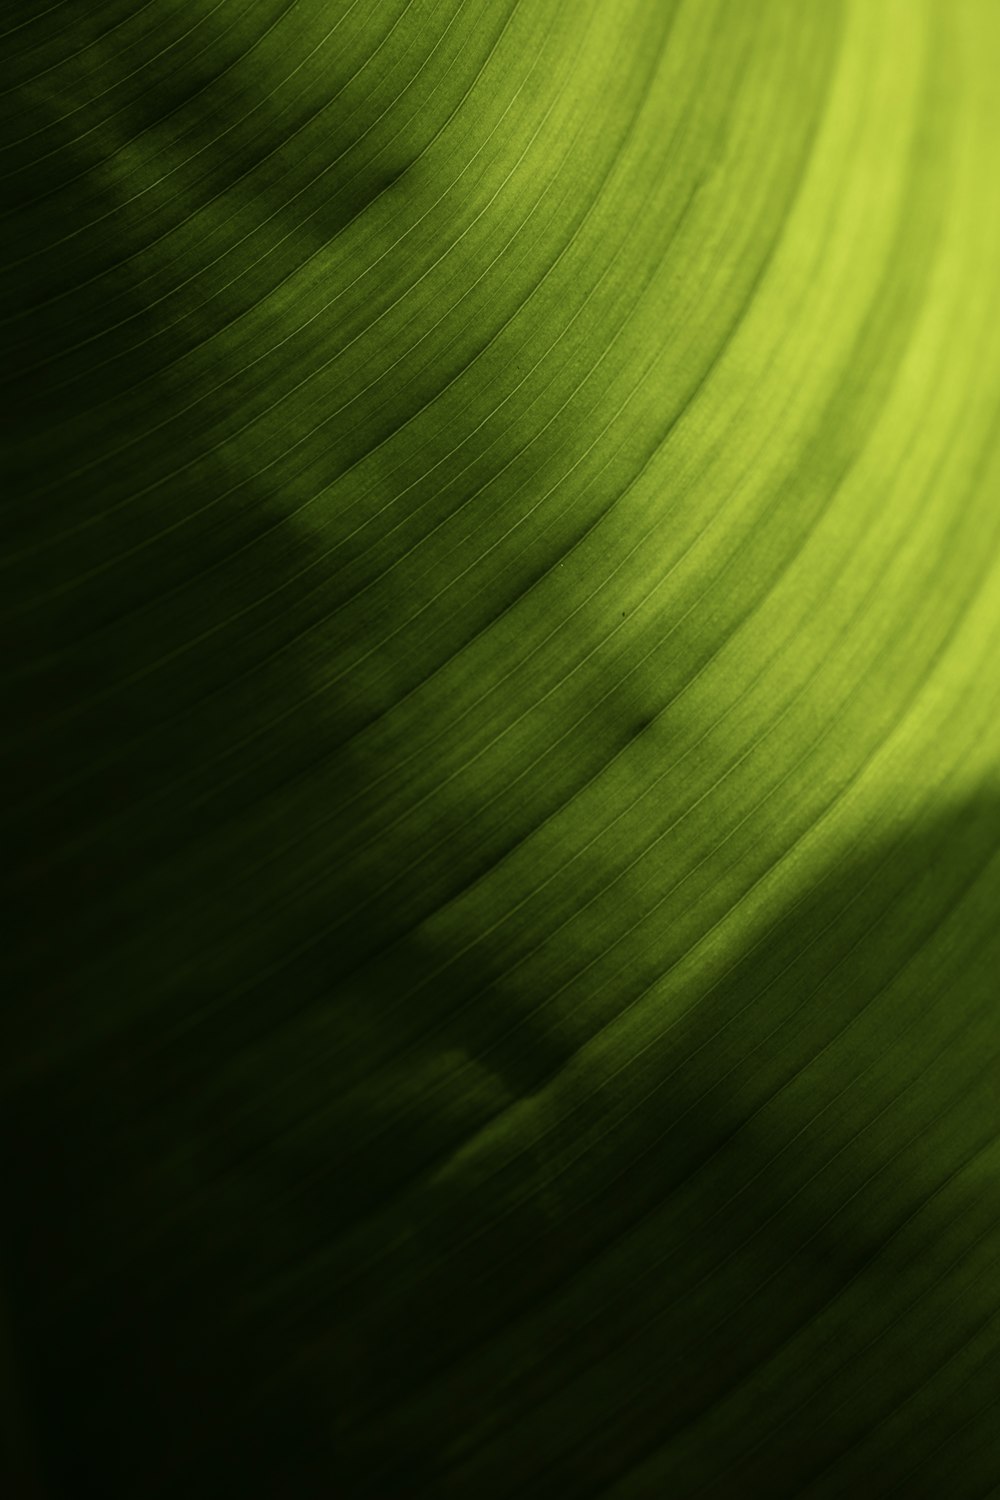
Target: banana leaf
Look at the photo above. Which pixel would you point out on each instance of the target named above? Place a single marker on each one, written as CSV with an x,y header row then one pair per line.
x,y
501,584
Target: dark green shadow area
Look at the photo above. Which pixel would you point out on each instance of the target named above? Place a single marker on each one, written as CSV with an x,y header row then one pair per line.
x,y
181,1220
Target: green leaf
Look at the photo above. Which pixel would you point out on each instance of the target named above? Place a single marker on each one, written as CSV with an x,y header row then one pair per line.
x,y
503,751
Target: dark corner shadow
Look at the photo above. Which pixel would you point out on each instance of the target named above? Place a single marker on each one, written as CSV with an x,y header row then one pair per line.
x,y
162,1263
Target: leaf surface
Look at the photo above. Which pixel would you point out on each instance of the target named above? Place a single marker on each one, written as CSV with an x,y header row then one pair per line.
x,y
503,568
